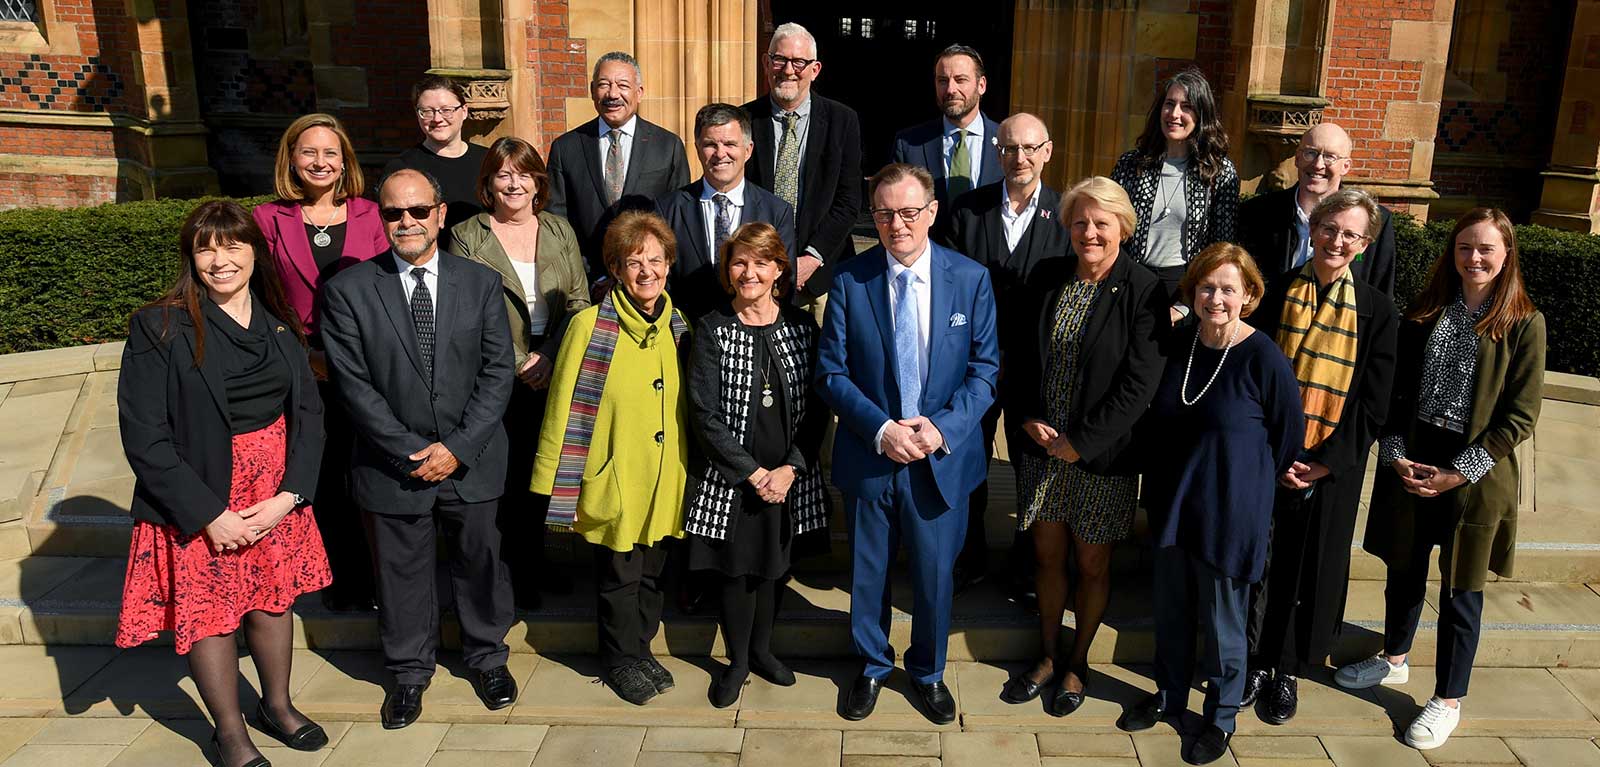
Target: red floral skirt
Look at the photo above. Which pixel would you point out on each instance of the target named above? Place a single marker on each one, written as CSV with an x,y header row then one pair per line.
x,y
178,583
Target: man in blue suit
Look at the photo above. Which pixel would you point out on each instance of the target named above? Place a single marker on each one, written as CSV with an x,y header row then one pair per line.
x,y
960,147
907,360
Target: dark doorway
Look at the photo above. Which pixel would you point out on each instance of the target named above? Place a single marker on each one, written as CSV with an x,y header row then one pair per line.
x,y
880,61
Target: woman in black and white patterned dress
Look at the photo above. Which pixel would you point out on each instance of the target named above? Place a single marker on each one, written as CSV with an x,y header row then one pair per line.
x,y
755,486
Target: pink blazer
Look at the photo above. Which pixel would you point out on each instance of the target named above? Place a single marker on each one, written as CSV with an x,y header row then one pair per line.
x,y
280,221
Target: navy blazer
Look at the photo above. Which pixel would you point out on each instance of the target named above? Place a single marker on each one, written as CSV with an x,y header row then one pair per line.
x,y
175,426
924,145
656,166
856,376
693,281
396,411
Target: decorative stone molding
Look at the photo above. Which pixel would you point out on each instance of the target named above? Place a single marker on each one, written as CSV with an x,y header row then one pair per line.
x,y
1284,118
488,91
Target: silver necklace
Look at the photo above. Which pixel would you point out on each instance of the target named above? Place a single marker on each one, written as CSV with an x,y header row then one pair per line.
x,y
322,239
1183,394
766,385
1166,208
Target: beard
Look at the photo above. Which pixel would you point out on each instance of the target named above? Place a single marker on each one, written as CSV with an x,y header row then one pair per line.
x,y
959,108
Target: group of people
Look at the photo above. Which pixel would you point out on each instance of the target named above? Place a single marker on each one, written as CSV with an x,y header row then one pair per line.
x,y
498,343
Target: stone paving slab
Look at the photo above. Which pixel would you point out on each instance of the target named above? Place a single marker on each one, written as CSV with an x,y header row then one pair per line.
x,y
27,366
568,690
1504,703
814,700
16,732
791,748
350,686
38,678
155,682
989,749
570,746
868,743
1555,752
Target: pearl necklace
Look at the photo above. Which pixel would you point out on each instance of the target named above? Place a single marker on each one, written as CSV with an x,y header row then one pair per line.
x,y
1183,394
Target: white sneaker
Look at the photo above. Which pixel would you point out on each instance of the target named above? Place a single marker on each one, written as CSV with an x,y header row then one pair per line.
x,y
1371,673
1433,726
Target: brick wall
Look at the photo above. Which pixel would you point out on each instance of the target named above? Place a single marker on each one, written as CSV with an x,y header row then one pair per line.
x,y
1363,82
562,65
32,190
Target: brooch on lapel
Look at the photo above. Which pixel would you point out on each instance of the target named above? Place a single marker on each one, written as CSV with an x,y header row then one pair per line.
x,y
1044,213
279,329
957,320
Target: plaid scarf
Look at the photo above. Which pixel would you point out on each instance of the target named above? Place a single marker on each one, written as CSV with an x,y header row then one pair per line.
x,y
1320,339
585,405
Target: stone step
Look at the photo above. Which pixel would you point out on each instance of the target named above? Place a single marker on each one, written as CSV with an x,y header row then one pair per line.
x,y
74,600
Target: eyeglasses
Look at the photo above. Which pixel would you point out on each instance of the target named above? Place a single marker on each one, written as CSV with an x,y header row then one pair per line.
x,y
784,62
1331,232
427,113
908,215
1310,154
1027,150
418,213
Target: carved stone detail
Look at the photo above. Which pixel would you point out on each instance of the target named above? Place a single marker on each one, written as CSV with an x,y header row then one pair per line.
x,y
488,91
1285,118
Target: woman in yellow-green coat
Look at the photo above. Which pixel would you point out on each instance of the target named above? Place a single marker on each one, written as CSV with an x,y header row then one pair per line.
x,y
614,450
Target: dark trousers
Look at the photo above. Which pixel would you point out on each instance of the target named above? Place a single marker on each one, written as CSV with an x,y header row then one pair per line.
x,y
522,512
1187,590
749,610
629,586
349,555
1460,612
408,621
911,511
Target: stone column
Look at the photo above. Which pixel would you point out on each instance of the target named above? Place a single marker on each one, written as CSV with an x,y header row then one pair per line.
x,y
1571,196
168,139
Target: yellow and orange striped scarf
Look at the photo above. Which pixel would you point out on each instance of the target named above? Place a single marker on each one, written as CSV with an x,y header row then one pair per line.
x,y
1320,340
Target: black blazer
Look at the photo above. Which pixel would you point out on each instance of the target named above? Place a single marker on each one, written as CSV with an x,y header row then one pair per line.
x,y
693,281
373,360
923,145
830,182
1266,229
1367,408
175,425
1119,365
656,165
977,231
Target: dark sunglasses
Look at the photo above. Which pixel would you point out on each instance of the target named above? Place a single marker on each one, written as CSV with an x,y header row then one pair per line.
x,y
418,213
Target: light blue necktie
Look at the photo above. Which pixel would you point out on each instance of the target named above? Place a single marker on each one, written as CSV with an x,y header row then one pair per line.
x,y
908,371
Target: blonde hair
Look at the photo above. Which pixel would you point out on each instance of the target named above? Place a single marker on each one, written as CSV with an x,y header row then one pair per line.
x,y
1106,194
286,182
1215,257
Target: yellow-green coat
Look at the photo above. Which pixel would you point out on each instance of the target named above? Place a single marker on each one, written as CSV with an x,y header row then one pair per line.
x,y
637,470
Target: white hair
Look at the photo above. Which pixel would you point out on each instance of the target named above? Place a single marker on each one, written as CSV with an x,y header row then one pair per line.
x,y
788,30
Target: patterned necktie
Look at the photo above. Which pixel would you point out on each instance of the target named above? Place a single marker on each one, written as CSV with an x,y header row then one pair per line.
x,y
960,179
723,225
422,320
907,344
614,172
786,179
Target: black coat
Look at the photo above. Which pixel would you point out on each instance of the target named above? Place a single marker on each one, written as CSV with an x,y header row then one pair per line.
x,y
977,231
395,411
656,166
1119,364
175,425
830,182
1267,231
692,281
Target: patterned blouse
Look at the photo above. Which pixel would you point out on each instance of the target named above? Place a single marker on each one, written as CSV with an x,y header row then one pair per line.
x,y
1444,397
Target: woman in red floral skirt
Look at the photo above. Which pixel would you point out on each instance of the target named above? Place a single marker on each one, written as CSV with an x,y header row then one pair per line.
x,y
222,425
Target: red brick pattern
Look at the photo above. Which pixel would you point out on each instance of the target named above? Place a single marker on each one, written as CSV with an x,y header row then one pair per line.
x,y
561,62
107,44
1362,81
30,190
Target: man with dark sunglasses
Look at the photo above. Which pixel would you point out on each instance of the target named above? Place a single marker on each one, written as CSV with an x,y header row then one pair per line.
x,y
420,351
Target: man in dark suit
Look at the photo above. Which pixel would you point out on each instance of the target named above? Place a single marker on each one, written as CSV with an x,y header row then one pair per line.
x,y
420,351
1009,227
815,165
907,359
705,213
958,147
617,161
1274,226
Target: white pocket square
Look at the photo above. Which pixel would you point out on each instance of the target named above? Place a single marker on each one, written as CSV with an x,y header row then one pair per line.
x,y
957,320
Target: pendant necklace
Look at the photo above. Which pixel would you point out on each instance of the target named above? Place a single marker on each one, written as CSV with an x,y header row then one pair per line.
x,y
1183,393
766,385
322,239
1166,208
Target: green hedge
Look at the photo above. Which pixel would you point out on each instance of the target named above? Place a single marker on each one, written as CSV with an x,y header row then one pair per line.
x,y
72,277
1562,271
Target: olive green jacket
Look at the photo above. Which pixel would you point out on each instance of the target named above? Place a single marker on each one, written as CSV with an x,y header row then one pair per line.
x,y
563,285
1505,406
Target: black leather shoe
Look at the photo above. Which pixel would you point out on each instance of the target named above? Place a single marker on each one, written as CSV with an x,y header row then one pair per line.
x,y
1280,700
1021,689
259,761
495,688
309,737
1143,715
862,699
1210,746
1067,701
630,683
1253,681
402,705
940,703
725,691
773,671
656,673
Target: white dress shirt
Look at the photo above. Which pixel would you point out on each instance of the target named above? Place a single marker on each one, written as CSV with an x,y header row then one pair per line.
x,y
629,131
921,287
1017,223
430,277
974,145
708,212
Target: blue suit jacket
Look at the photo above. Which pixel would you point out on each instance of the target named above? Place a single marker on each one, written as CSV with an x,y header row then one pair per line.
x,y
924,145
693,281
856,371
